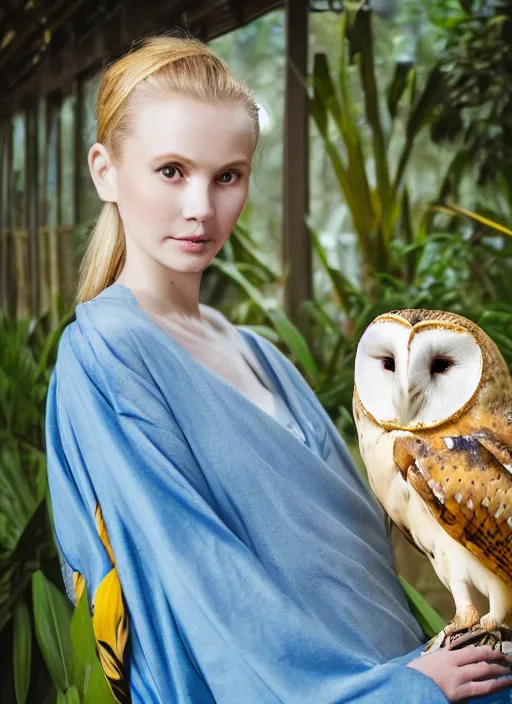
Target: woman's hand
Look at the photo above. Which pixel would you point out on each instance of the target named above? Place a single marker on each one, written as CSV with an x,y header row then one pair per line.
x,y
465,673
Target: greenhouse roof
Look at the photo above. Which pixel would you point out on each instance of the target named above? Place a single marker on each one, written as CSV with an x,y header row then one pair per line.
x,y
46,44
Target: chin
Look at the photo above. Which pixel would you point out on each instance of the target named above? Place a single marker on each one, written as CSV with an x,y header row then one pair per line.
x,y
190,267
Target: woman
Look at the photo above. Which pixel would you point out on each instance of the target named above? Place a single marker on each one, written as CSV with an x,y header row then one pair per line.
x,y
230,550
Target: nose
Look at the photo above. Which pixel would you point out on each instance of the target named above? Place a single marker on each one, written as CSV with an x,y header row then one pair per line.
x,y
197,201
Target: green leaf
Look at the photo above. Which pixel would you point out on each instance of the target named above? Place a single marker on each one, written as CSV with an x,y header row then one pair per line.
x,y
87,672
429,99
18,501
22,650
419,116
457,210
430,621
361,40
71,696
349,170
286,330
341,285
241,237
324,93
295,342
52,616
397,86
467,5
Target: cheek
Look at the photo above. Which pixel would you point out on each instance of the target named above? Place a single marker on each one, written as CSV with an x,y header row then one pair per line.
x,y
229,206
144,200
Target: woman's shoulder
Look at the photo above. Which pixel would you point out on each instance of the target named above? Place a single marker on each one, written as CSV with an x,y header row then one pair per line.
x,y
108,330
114,348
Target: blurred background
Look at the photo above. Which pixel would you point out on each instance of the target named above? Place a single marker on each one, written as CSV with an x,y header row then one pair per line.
x,y
381,181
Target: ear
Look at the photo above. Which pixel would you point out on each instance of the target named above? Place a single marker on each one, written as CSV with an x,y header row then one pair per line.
x,y
103,172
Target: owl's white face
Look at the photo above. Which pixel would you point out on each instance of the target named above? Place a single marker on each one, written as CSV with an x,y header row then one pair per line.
x,y
416,377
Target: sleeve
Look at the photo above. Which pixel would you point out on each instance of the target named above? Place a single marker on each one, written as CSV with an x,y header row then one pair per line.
x,y
86,559
237,627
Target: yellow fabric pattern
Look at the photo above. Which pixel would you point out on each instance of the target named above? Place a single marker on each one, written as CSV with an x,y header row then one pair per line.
x,y
78,585
109,620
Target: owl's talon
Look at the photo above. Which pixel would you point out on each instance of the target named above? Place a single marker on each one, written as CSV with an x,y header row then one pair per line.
x,y
474,635
434,643
466,636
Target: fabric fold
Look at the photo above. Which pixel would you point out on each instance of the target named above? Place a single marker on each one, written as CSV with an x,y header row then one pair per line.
x,y
255,567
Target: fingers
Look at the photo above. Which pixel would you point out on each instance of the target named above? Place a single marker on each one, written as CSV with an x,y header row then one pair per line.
x,y
473,653
477,689
479,670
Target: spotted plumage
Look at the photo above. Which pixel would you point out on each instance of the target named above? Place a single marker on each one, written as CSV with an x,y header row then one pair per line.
x,y
433,409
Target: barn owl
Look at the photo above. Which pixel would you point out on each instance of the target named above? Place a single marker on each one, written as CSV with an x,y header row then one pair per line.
x,y
433,411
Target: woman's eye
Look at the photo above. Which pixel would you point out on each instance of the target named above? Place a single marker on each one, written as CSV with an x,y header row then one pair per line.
x,y
388,363
228,177
171,172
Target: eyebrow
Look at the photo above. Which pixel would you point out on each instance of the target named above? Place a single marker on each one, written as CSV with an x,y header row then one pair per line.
x,y
180,159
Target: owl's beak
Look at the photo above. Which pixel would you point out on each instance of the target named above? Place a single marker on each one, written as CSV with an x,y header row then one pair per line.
x,y
408,399
401,396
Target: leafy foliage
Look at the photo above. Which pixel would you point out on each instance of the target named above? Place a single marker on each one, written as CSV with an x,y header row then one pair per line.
x,y
29,567
433,265
447,259
476,64
379,210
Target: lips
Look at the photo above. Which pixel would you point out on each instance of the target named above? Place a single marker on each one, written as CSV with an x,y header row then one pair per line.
x,y
197,244
192,238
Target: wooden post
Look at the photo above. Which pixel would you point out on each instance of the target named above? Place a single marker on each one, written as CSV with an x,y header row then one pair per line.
x,y
18,206
32,205
297,254
9,273
4,139
67,217
54,261
43,139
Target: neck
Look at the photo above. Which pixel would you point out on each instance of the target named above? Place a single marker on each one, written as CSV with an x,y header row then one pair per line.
x,y
163,291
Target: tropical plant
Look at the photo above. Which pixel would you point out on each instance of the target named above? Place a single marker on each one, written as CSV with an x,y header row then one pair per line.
x,y
30,603
474,57
67,641
379,206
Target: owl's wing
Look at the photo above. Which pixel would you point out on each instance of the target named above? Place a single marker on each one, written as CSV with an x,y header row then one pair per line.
x,y
467,489
498,442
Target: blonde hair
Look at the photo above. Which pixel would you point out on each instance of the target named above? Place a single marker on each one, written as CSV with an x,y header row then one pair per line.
x,y
177,64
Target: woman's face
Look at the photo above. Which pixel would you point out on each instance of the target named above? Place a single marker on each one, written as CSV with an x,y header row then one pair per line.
x,y
183,172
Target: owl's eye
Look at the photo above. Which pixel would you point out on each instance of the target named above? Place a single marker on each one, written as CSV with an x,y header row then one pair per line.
x,y
388,363
440,365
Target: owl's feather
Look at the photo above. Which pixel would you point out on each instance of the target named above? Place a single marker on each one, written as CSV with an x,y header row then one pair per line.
x,y
462,475
433,409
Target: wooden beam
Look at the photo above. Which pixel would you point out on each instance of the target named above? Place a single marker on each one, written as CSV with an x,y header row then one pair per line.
x,y
75,50
296,251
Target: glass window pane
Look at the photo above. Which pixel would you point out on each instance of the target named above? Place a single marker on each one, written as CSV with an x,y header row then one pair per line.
x,y
18,172
89,203
42,146
67,160
52,168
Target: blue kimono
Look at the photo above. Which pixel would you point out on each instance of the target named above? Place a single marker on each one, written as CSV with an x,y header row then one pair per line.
x,y
225,560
